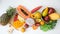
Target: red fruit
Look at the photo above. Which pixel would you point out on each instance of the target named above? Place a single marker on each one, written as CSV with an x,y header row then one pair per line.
x,y
46,18
37,24
35,9
26,25
51,10
15,18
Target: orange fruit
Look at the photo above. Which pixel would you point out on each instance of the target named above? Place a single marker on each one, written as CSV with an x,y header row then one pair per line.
x,y
22,29
42,22
17,24
34,27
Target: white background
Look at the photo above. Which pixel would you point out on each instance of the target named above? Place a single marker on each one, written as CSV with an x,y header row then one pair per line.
x,y
30,4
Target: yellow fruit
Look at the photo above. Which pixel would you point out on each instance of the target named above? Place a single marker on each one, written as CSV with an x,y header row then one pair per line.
x,y
21,19
42,22
38,20
32,16
22,29
17,24
54,16
34,27
45,12
37,15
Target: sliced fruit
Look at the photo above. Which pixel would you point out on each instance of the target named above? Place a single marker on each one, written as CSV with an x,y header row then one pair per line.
x,y
17,24
54,16
45,12
30,21
23,12
32,16
35,9
20,18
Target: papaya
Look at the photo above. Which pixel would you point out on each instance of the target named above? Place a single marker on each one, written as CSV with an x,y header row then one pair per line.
x,y
23,12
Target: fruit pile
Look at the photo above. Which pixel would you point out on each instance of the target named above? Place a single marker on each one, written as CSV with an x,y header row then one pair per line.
x,y
24,19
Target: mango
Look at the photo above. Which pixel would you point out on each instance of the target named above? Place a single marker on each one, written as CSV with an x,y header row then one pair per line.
x,y
37,15
54,16
17,24
45,12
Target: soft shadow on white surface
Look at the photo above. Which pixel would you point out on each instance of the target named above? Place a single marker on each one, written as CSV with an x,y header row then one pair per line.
x,y
30,4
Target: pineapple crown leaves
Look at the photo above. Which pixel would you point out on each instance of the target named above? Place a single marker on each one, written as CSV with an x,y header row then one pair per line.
x,y
11,11
4,19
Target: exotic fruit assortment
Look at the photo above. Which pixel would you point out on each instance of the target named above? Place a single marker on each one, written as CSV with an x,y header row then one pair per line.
x,y
21,19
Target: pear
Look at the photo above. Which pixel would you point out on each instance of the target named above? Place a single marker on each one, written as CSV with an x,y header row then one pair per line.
x,y
45,12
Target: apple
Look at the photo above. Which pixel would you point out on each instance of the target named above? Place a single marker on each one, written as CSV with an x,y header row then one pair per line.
x,y
37,24
46,18
26,25
51,10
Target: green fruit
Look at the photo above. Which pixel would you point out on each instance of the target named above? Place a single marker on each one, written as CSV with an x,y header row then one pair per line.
x,y
45,12
37,15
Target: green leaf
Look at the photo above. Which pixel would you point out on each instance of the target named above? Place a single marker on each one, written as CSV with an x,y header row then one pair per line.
x,y
44,27
11,11
50,25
